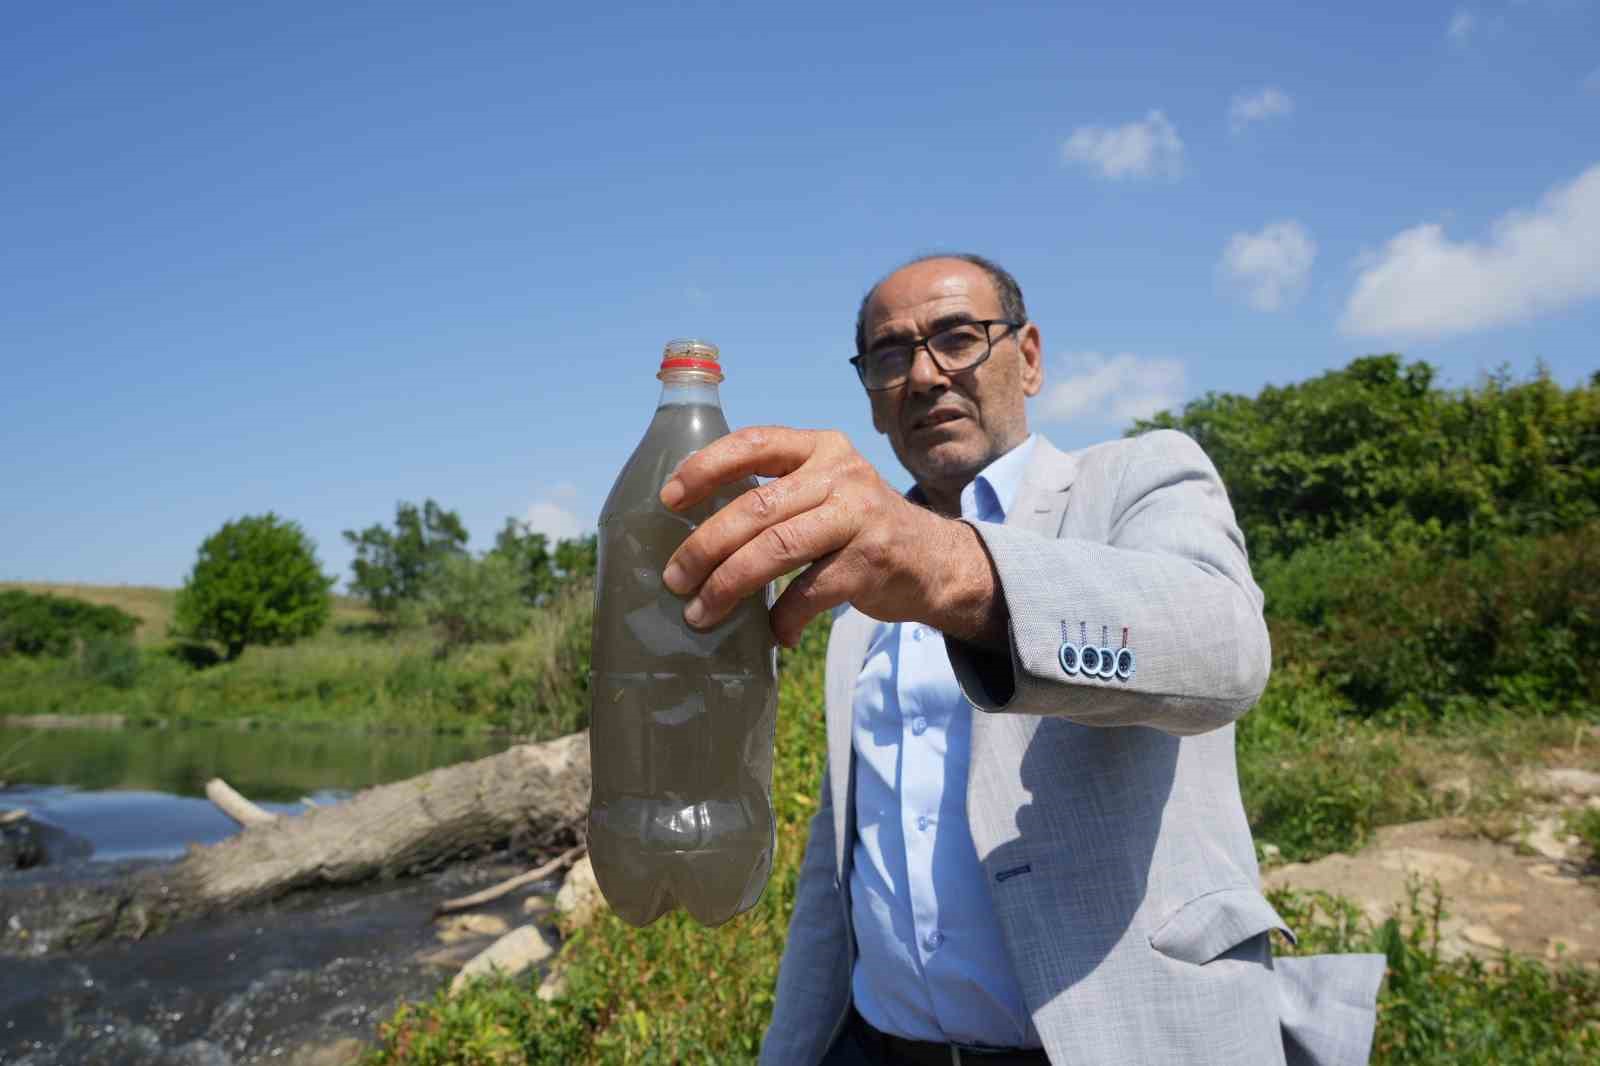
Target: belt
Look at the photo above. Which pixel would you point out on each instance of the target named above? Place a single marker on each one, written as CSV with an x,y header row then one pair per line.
x,y
899,1051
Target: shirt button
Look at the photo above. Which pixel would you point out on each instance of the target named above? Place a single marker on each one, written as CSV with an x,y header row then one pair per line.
x,y
922,821
933,940
916,632
919,725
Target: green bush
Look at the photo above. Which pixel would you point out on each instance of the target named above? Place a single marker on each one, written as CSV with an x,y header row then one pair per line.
x,y
474,601
1418,631
256,581
1376,447
111,661
34,624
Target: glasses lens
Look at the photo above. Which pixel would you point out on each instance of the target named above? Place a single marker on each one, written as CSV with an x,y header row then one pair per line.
x,y
885,368
960,346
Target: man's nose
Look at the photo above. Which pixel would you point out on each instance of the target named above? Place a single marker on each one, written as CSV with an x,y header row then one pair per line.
x,y
925,374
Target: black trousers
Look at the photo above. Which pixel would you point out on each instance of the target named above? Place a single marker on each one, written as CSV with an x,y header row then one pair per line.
x,y
847,1051
860,1045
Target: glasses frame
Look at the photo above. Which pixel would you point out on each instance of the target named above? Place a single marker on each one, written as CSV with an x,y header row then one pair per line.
x,y
859,360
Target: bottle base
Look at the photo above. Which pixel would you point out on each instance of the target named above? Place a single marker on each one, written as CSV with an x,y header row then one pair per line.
x,y
713,885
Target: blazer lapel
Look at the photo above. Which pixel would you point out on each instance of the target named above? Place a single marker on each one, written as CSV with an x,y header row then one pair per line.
x,y
1040,507
1041,501
847,650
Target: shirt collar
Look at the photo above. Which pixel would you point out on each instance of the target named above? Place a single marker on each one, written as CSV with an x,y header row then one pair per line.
x,y
988,498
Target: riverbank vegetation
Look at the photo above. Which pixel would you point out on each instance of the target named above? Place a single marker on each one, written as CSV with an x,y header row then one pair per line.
x,y
443,639
1427,559
356,673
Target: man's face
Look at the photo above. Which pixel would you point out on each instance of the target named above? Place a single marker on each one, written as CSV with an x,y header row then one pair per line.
x,y
945,428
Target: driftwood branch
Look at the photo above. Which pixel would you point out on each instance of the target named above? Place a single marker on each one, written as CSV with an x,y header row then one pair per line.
x,y
236,806
488,895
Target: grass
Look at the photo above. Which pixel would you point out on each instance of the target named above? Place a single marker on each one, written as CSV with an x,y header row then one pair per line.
x,y
1585,825
353,673
1434,1011
1317,779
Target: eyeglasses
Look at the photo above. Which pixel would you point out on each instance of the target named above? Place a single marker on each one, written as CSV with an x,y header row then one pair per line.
x,y
954,350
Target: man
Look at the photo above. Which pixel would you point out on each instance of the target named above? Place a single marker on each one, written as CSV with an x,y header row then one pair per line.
x,y
1031,846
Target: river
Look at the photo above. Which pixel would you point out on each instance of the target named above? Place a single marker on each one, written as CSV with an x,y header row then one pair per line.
x,y
294,982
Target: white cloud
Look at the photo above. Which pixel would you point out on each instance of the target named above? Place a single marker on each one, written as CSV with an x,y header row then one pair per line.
x,y
1270,268
1426,284
1147,148
1269,103
1466,26
554,520
1113,389
564,490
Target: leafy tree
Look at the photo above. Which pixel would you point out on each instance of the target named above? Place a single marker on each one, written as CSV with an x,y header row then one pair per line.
x,y
392,566
257,581
528,554
543,572
576,559
470,601
34,624
1375,447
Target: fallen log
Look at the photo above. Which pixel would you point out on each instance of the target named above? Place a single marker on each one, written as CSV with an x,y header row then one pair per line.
x,y
537,794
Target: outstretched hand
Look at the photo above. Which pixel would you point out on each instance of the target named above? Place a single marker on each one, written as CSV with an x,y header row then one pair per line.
x,y
866,544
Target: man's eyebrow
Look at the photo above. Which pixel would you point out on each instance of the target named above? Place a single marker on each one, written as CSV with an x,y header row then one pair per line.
x,y
905,336
893,336
951,318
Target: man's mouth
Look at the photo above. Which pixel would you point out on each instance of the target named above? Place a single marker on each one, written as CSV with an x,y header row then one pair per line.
x,y
937,417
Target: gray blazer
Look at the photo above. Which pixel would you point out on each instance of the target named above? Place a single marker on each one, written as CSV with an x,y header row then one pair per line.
x,y
1106,813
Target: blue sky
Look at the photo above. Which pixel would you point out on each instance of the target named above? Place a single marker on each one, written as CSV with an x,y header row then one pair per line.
x,y
318,258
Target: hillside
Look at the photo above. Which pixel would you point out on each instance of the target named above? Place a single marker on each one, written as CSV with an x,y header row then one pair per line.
x,y
153,606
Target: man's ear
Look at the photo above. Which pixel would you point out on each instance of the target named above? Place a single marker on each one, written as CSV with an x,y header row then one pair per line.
x,y
1032,345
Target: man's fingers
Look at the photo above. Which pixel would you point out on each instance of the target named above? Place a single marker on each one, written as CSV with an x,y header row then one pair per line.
x,y
824,585
774,552
761,451
737,524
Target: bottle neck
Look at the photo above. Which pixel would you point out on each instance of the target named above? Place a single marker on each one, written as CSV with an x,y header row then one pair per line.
x,y
688,388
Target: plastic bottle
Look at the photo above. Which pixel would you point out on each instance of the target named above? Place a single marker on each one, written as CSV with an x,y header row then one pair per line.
x,y
681,722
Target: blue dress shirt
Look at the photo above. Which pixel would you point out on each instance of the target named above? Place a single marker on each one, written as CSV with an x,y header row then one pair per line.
x,y
932,961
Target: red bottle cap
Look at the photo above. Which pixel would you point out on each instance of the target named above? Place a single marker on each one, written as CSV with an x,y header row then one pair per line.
x,y
692,355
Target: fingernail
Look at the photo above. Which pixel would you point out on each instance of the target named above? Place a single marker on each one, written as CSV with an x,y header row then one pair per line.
x,y
671,493
695,612
672,577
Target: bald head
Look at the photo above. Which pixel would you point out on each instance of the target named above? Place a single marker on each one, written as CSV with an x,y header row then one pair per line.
x,y
1006,289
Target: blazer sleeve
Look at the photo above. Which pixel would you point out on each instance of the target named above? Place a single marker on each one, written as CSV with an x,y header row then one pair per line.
x,y
1172,572
814,976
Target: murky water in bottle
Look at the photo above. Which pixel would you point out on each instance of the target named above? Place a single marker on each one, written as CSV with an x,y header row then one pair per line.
x,y
682,722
